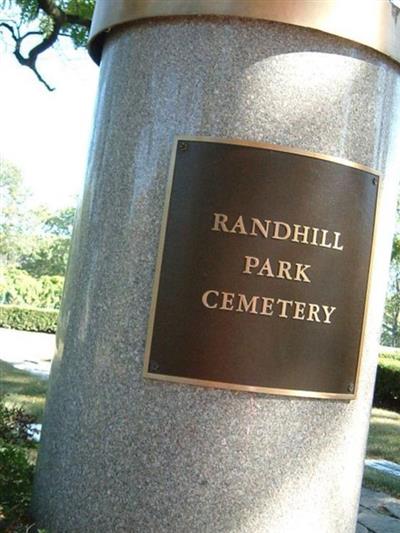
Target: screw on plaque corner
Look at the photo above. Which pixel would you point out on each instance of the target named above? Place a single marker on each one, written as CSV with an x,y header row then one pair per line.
x,y
350,387
183,146
374,181
154,367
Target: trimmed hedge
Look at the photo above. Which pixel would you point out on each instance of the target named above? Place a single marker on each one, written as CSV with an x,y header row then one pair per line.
x,y
387,387
28,318
390,353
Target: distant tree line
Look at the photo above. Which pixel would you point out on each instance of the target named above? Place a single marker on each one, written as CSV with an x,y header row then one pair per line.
x,y
34,245
391,319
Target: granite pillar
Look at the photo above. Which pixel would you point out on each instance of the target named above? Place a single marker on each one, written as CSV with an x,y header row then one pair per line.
x,y
121,453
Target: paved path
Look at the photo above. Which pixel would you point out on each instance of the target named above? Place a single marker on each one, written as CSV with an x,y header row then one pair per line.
x,y
378,513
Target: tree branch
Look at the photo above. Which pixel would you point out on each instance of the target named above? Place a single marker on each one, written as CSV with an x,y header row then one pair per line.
x,y
10,28
51,8
45,44
59,19
41,79
31,33
30,61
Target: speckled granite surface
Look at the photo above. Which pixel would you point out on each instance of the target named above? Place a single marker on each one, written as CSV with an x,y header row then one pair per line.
x,y
120,454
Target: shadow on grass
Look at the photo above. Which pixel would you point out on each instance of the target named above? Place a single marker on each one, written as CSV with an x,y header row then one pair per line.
x,y
384,436
23,389
383,443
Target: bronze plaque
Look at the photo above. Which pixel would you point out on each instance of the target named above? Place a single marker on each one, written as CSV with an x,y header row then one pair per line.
x,y
263,269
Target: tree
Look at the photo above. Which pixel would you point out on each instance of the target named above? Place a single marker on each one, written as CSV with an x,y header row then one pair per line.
x,y
391,319
34,245
50,255
14,220
60,224
38,24
35,240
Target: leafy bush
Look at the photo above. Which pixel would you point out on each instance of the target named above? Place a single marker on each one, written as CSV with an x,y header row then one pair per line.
x,y
15,425
16,478
387,387
18,287
51,291
16,470
28,318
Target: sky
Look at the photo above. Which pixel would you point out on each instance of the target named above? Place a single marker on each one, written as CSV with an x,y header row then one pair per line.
x,y
46,134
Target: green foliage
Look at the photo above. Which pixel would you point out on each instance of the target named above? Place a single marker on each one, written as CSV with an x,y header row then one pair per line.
x,y
391,320
81,9
49,258
60,224
16,470
28,319
31,234
17,457
34,246
387,387
390,353
16,479
29,9
17,287
15,425
13,219
50,254
34,26
51,292
11,183
396,248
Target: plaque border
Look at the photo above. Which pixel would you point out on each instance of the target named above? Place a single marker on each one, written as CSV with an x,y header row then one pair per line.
x,y
160,253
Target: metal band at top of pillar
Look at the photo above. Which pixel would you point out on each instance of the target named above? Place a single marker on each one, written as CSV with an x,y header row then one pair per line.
x,y
373,23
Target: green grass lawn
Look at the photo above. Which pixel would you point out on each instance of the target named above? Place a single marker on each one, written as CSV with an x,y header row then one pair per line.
x,y
383,443
23,389
384,435
376,480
